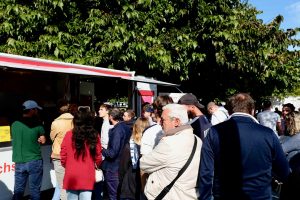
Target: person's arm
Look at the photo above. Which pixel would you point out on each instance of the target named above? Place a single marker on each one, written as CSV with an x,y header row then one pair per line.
x,y
53,131
147,142
63,151
153,161
280,166
98,156
156,159
146,148
206,170
114,144
42,138
279,126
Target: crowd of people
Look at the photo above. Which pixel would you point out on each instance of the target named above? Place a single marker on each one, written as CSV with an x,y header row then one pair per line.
x,y
181,150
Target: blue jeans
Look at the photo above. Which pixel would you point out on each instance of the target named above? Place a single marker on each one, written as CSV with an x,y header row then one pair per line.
x,y
112,182
56,195
32,170
79,194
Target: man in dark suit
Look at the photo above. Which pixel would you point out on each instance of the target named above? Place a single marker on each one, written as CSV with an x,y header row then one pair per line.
x,y
119,135
239,157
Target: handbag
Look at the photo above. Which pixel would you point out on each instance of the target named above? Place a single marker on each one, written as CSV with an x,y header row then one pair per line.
x,y
98,174
168,187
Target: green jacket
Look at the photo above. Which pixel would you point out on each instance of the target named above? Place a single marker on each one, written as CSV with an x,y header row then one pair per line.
x,y
25,141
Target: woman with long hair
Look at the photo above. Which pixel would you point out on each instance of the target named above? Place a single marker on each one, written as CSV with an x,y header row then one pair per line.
x,y
80,152
291,146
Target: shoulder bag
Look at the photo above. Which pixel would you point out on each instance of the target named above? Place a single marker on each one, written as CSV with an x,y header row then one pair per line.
x,y
168,187
98,174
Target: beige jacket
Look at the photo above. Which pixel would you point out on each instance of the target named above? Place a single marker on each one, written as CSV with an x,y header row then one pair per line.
x,y
59,127
165,161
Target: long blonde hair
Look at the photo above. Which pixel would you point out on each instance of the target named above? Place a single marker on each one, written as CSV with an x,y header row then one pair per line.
x,y
293,123
138,127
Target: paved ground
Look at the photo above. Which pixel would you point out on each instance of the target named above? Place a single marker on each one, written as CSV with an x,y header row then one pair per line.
x,y
45,195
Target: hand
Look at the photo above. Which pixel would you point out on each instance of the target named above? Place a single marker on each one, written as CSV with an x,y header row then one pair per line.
x,y
42,139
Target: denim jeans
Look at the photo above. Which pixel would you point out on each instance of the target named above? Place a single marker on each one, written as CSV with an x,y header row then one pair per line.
x,y
32,170
56,195
112,182
79,194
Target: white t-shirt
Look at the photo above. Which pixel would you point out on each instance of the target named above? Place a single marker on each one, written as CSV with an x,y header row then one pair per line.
x,y
269,119
219,116
150,138
104,133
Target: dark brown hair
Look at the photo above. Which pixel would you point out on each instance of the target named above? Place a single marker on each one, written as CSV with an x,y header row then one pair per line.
x,y
131,113
160,102
116,114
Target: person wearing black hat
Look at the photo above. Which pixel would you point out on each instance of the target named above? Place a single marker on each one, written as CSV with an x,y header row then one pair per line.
x,y
199,121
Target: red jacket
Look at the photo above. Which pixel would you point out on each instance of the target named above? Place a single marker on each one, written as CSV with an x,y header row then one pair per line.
x,y
79,174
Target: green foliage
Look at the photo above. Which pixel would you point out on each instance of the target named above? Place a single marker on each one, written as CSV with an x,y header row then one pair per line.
x,y
217,47
115,100
246,55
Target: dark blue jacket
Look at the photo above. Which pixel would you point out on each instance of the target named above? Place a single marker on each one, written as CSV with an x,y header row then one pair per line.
x,y
239,157
200,126
119,135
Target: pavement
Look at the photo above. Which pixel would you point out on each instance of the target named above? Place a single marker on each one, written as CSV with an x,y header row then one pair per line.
x,y
45,195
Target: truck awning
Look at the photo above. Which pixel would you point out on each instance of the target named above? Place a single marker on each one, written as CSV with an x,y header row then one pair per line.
x,y
23,62
149,80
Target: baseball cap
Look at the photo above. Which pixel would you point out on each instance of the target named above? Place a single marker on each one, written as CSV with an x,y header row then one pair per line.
x,y
30,104
190,99
149,108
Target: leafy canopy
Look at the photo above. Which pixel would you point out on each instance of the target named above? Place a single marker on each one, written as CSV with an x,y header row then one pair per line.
x,y
213,48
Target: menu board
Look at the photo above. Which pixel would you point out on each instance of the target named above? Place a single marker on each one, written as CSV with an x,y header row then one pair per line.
x,y
5,134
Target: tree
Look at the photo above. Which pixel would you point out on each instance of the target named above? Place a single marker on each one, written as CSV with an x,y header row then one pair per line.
x,y
218,48
243,54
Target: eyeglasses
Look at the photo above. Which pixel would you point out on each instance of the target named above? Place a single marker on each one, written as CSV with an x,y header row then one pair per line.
x,y
84,108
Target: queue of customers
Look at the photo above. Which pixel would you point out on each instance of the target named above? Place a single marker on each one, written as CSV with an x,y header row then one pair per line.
x,y
172,151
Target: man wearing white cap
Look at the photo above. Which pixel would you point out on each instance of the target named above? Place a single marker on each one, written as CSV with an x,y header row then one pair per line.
x,y
28,134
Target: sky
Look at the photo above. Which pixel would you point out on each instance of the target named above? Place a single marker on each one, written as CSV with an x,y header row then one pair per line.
x,y
289,9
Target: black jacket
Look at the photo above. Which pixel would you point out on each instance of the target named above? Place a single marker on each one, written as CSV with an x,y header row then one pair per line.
x,y
130,181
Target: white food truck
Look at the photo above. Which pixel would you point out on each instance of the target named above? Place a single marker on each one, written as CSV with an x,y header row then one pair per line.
x,y
46,81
